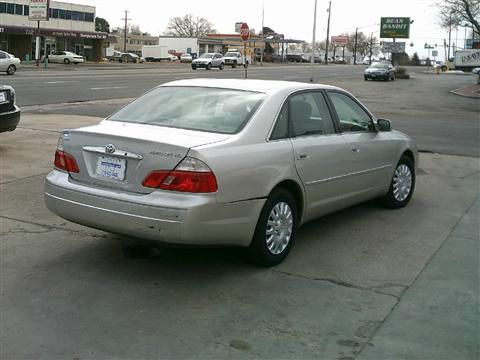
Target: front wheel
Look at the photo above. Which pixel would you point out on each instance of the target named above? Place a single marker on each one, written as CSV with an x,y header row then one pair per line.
x,y
275,231
209,66
194,67
402,184
11,70
222,65
66,61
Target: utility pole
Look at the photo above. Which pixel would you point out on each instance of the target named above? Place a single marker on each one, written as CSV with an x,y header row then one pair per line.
x,y
312,59
355,47
328,31
125,31
371,47
263,35
449,35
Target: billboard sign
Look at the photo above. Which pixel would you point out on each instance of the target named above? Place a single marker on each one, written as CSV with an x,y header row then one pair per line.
x,y
238,25
339,40
395,27
393,47
38,10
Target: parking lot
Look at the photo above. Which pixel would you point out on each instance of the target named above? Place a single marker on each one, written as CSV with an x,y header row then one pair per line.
x,y
366,283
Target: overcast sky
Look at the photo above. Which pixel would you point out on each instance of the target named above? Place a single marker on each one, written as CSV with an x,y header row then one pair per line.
x,y
294,18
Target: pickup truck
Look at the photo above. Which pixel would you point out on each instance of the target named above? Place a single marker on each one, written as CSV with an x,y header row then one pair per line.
x,y
234,58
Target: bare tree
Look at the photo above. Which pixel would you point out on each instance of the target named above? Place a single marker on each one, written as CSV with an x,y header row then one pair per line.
x,y
189,26
454,12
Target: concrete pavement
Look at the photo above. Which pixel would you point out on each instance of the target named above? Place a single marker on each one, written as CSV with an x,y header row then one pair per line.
x,y
365,282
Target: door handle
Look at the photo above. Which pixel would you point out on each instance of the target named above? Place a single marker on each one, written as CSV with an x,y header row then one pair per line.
x,y
302,156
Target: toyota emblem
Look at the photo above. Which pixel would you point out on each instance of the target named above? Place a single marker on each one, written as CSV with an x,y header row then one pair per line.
x,y
110,149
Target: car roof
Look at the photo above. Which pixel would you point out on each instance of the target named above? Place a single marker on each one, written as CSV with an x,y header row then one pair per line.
x,y
265,86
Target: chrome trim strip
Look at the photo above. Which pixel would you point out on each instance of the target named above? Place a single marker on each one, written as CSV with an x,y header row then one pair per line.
x,y
121,153
111,211
348,175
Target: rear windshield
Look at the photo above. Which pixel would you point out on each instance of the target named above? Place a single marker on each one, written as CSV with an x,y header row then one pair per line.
x,y
216,110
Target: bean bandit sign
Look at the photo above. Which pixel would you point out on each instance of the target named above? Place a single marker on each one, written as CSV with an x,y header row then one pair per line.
x,y
395,27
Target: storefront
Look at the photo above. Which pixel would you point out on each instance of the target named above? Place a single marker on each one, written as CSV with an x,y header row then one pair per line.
x,y
21,42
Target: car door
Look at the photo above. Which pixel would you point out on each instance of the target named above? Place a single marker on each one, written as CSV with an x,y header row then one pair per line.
x,y
3,61
372,153
217,59
320,153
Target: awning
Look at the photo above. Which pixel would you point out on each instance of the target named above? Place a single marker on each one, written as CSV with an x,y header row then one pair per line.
x,y
24,30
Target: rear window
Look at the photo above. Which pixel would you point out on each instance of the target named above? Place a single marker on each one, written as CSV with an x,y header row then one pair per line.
x,y
216,110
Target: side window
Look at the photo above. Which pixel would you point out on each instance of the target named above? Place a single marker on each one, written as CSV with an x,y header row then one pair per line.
x,y
351,115
3,55
310,115
280,131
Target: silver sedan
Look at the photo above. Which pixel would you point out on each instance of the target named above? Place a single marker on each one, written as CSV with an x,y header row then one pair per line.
x,y
229,162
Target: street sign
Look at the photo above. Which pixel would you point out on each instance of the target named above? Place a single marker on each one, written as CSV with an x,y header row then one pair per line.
x,y
237,27
393,47
339,40
244,32
38,10
395,27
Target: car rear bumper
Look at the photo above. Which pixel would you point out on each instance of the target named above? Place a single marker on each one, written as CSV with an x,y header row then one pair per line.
x,y
9,120
167,217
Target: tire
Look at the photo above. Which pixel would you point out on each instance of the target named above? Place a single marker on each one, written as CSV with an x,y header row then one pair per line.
x,y
194,67
366,79
209,66
11,70
222,65
66,61
234,64
75,63
260,251
393,77
401,189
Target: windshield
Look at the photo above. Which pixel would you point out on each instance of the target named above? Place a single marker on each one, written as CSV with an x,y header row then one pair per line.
x,y
194,108
380,66
208,56
231,54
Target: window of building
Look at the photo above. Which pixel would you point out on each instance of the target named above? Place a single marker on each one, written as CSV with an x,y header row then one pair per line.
x,y
61,14
75,15
89,17
26,10
81,16
68,14
18,9
10,8
3,8
55,13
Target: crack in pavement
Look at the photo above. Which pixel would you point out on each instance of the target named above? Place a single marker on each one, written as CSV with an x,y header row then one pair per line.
x,y
344,283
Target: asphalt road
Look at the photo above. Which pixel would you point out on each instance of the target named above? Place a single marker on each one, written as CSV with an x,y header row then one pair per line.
x,y
423,106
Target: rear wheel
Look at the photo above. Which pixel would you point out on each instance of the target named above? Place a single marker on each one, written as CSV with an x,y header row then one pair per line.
x,y
402,184
222,65
209,66
234,64
11,70
66,61
275,230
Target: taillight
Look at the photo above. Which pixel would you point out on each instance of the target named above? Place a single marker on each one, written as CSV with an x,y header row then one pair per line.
x,y
191,175
65,161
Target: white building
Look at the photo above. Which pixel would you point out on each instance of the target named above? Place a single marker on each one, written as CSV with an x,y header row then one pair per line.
x,y
179,44
70,27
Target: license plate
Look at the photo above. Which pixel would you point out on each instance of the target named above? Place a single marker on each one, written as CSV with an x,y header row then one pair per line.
x,y
111,168
3,97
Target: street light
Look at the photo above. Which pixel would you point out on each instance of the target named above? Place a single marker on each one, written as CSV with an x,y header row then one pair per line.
x,y
312,59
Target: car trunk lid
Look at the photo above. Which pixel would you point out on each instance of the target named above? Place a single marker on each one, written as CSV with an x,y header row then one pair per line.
x,y
120,155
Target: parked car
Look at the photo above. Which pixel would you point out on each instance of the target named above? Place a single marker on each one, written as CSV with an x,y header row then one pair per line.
x,y
294,58
130,58
8,63
380,71
186,58
9,112
65,57
476,71
229,162
209,61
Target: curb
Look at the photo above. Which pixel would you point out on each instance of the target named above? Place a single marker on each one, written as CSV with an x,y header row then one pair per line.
x,y
471,94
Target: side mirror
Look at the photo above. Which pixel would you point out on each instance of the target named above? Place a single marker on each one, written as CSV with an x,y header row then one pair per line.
x,y
384,125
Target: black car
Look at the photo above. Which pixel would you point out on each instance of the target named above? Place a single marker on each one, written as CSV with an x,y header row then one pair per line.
x,y
9,112
380,71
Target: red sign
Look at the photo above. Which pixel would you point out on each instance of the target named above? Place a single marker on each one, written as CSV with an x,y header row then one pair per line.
x,y
245,32
339,40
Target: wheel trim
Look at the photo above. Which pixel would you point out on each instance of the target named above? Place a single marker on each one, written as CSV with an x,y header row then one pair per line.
x,y
279,228
402,182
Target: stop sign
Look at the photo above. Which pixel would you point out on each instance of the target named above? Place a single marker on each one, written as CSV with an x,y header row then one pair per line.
x,y
245,32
